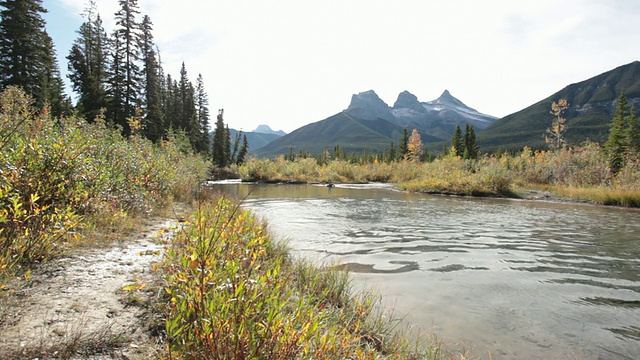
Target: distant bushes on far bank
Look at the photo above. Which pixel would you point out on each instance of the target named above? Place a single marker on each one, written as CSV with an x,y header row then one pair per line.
x,y
563,170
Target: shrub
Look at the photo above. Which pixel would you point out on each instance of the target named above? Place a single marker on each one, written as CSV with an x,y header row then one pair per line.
x,y
234,294
56,174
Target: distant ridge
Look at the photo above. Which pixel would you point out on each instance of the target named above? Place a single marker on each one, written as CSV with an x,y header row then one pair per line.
x,y
588,117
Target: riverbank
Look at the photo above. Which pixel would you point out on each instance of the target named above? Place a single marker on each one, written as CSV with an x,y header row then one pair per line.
x,y
574,174
233,292
510,278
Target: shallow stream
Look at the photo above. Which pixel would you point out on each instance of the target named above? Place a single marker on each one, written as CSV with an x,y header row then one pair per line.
x,y
509,279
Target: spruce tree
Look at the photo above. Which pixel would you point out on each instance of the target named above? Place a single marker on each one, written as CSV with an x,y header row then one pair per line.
x,y
187,118
616,145
202,115
87,65
173,104
27,54
633,134
456,141
392,155
227,144
236,147
52,86
154,118
243,151
219,147
403,147
126,79
471,150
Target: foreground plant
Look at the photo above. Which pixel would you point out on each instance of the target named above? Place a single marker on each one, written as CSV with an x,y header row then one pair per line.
x,y
234,294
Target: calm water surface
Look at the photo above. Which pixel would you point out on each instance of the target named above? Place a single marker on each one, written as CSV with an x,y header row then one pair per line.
x,y
513,279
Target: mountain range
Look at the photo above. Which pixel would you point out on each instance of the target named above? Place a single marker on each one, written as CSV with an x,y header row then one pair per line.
x,y
368,123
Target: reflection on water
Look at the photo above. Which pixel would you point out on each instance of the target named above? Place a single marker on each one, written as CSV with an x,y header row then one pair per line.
x,y
520,280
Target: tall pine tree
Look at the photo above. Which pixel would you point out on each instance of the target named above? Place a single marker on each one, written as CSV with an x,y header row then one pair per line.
x,y
471,149
404,142
152,80
27,54
220,147
616,145
456,141
633,134
87,65
202,114
187,120
125,82
242,154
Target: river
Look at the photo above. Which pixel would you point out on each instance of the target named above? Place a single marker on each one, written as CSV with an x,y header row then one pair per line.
x,y
507,279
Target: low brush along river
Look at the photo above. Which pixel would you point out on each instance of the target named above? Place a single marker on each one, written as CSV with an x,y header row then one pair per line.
x,y
506,279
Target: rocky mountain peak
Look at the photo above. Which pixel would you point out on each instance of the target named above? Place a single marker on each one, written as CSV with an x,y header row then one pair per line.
x,y
368,106
447,98
407,100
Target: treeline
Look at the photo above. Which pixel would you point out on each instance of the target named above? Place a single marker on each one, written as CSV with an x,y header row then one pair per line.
x,y
118,76
409,148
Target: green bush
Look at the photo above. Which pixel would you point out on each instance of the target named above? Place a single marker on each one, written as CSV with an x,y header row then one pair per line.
x,y
58,174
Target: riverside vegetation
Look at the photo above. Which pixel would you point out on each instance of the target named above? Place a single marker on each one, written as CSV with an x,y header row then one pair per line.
x,y
578,173
608,174
227,290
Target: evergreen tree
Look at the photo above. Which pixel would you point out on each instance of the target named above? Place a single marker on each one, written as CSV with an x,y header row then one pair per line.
x,y
471,149
187,119
173,104
243,151
87,65
392,155
202,115
456,141
115,85
227,144
616,145
219,153
126,81
403,147
633,134
52,85
27,54
236,147
152,75
164,95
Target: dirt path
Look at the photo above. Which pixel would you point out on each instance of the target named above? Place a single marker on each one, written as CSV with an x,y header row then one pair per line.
x,y
76,307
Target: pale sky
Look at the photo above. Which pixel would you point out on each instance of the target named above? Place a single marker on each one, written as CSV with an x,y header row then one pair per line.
x,y
288,63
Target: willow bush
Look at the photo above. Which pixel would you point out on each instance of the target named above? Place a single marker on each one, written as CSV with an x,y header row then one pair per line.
x,y
59,174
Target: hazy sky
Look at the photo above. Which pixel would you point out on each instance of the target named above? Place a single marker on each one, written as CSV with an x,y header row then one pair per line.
x,y
287,63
